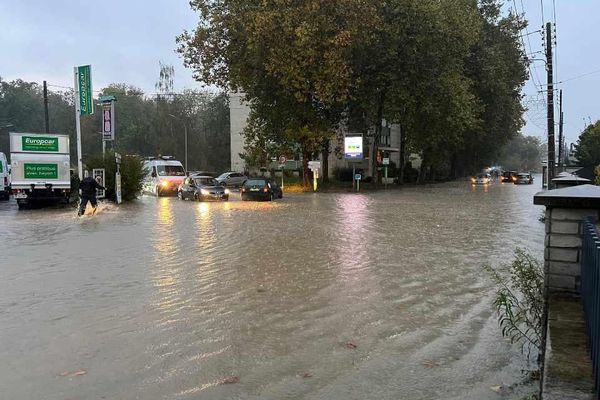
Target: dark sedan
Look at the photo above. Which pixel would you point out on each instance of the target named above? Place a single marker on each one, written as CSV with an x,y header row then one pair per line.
x,y
260,189
202,188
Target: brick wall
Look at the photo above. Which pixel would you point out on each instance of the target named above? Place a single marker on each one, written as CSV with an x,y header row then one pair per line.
x,y
562,255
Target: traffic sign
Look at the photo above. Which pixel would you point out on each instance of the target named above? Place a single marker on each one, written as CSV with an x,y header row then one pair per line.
x,y
357,177
282,159
314,165
386,161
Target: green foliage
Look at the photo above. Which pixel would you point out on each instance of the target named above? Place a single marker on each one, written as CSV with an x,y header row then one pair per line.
x,y
587,150
144,125
519,300
132,174
521,153
449,71
597,173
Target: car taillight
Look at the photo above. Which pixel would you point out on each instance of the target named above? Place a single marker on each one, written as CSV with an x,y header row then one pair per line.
x,y
243,190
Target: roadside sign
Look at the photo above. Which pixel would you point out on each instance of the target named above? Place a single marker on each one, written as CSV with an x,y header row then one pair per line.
x,y
312,165
108,121
84,85
99,174
353,147
282,159
118,188
386,161
357,177
117,158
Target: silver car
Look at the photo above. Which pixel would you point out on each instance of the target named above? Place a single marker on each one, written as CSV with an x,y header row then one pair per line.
x,y
231,179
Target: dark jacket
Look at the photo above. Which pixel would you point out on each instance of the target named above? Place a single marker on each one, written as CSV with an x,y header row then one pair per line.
x,y
88,187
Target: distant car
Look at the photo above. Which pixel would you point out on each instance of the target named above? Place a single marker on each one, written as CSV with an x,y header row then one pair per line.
x,y
508,176
202,188
202,173
231,179
261,189
524,179
481,179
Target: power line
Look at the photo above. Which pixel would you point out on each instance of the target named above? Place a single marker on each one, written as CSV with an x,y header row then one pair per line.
x,y
533,77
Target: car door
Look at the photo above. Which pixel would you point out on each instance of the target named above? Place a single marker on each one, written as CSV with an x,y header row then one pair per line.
x,y
235,179
187,189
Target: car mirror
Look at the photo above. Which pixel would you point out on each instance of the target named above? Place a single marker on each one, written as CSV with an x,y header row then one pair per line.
x,y
153,174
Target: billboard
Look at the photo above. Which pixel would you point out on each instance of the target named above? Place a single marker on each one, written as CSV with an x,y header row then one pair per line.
x,y
353,148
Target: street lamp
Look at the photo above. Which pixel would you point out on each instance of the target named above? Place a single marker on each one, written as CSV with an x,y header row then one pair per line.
x,y
186,138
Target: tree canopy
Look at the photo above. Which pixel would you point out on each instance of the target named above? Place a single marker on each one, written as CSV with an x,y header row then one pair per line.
x,y
587,150
449,71
146,125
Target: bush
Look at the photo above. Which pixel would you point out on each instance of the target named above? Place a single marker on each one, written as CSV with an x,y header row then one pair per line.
x,y
520,301
597,172
132,174
343,174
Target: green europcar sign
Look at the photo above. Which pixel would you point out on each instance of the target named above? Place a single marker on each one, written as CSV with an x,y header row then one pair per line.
x,y
40,171
39,143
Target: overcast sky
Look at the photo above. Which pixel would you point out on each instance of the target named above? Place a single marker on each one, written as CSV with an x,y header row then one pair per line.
x,y
124,40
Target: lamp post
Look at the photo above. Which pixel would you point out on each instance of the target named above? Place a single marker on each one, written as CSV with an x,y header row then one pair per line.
x,y
186,138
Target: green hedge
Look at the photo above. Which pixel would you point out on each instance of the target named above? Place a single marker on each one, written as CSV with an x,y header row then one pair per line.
x,y
132,174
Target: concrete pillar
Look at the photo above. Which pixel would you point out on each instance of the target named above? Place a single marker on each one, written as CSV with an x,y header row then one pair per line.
x,y
565,211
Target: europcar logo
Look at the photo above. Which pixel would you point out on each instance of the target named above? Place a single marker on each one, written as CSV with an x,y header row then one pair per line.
x,y
34,143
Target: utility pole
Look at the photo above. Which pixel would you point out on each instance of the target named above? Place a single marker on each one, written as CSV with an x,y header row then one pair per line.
x,y
561,146
551,140
46,120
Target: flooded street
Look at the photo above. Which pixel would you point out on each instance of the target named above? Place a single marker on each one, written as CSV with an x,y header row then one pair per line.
x,y
167,299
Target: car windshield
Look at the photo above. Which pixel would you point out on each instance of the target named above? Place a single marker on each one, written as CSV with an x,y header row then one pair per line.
x,y
170,170
255,182
205,181
482,176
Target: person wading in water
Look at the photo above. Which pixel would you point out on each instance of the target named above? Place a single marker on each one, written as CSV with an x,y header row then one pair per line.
x,y
88,188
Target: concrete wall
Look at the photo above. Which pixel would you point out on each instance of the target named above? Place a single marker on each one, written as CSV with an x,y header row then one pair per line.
x,y
562,254
238,114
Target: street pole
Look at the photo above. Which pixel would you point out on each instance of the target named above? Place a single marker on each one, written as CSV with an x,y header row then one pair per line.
x,y
550,77
186,145
561,148
78,125
46,119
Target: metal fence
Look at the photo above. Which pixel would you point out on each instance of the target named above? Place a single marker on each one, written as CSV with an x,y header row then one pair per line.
x,y
590,292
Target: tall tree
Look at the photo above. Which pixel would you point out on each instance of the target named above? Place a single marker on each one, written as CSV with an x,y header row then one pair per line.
x,y
587,150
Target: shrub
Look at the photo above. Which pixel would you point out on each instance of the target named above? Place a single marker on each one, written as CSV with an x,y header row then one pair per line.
x,y
132,174
519,300
597,173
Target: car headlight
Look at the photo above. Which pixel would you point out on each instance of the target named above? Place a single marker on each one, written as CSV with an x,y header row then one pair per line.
x,y
204,192
164,183
227,191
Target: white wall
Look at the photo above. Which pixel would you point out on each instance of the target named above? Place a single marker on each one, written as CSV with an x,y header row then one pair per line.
x,y
238,115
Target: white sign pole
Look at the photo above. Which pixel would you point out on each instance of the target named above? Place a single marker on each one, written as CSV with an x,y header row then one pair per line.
x,y
78,125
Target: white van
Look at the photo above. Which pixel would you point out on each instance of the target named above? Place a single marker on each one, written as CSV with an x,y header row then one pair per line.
x,y
4,178
164,175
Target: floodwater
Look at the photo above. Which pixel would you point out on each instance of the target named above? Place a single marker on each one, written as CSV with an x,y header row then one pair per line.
x,y
327,296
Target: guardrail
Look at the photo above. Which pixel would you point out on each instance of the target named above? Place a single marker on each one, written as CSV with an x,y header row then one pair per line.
x,y
590,293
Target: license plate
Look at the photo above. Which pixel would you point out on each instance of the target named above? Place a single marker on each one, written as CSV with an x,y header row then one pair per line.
x,y
254,190
20,195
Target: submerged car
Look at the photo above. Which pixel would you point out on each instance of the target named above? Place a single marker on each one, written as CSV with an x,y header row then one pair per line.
x,y
202,188
481,179
508,176
260,189
524,179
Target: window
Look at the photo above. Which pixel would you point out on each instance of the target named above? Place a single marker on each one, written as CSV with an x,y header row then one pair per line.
x,y
170,170
205,182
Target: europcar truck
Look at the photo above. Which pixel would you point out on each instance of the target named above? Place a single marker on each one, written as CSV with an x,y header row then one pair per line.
x,y
40,168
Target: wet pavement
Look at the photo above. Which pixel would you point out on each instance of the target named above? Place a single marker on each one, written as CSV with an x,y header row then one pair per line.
x,y
326,296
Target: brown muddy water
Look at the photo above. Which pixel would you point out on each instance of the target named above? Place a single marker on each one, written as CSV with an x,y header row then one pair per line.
x,y
326,296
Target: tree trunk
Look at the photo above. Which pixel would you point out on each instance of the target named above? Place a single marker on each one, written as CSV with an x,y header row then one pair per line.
x,y
402,160
377,138
305,171
325,161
